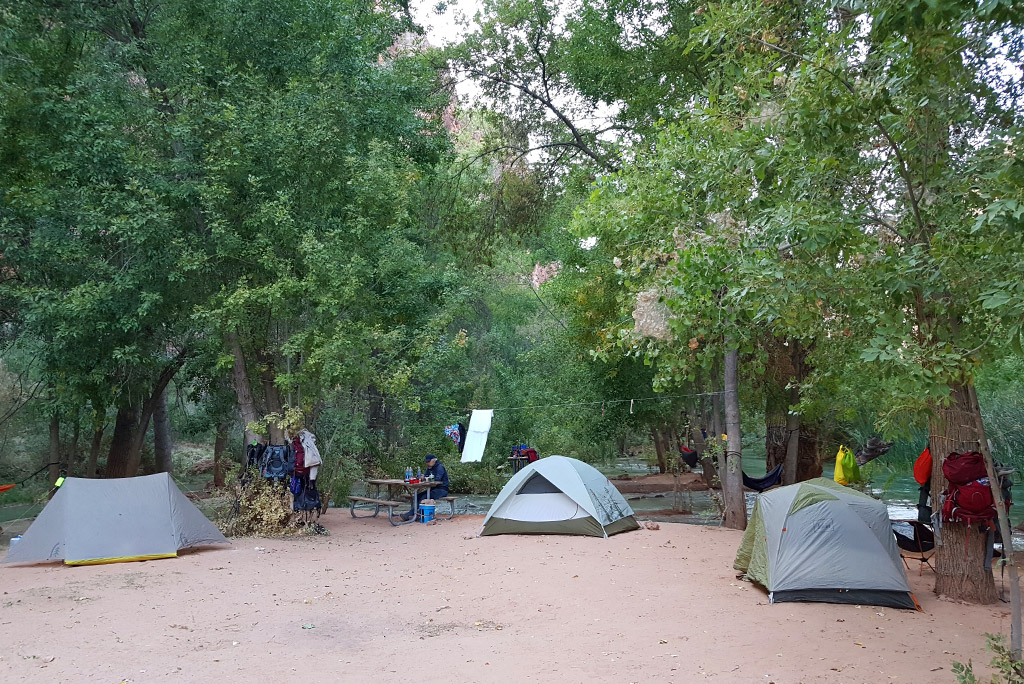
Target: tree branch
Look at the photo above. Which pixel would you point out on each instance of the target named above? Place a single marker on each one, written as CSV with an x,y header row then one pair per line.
x,y
904,169
527,90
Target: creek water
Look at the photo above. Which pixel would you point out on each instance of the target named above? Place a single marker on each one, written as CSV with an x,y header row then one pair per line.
x,y
898,491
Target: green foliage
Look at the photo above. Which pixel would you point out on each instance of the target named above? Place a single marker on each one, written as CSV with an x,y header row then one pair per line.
x,y
1008,670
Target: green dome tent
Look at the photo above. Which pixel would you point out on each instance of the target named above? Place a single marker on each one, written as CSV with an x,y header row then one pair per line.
x,y
111,521
820,541
559,495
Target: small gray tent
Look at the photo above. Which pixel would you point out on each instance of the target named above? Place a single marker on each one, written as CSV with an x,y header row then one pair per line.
x,y
820,541
559,495
110,521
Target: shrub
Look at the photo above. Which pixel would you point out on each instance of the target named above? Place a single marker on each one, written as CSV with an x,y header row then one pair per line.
x,y
1008,670
256,507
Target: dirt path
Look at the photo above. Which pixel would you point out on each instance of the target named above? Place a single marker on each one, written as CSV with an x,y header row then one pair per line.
x,y
372,603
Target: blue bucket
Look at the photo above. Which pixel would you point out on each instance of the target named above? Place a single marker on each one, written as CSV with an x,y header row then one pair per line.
x,y
426,512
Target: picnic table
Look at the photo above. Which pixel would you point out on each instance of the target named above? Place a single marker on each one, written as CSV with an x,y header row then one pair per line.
x,y
394,489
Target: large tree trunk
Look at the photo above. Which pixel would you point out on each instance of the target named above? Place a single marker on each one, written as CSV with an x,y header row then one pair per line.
x,y
94,451
732,482
162,446
53,453
126,447
243,390
960,574
121,443
789,470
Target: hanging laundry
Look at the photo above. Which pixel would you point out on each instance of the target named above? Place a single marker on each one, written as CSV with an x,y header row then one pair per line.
x,y
312,453
300,457
457,433
476,440
453,432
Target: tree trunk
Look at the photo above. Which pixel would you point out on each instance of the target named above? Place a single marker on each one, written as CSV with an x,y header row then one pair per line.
x,y
53,455
732,482
272,398
94,451
717,424
219,459
148,407
960,572
708,470
72,459
659,448
789,470
121,443
243,390
162,445
1004,529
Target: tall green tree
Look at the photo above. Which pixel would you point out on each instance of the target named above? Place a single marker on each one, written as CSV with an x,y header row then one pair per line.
x,y
841,179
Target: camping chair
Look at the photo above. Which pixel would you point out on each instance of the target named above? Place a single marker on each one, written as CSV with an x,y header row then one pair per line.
x,y
919,547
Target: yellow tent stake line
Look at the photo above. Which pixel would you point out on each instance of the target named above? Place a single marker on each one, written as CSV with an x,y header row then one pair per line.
x,y
121,559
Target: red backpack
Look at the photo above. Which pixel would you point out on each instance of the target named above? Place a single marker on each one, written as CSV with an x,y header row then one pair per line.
x,y
923,467
969,503
964,468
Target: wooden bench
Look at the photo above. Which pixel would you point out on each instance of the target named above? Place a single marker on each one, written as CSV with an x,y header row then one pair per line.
x,y
449,499
451,502
377,505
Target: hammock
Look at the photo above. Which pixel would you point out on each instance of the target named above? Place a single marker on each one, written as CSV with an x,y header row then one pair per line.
x,y
759,484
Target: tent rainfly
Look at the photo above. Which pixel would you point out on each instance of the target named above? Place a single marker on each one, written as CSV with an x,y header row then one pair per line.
x,y
820,541
559,495
111,521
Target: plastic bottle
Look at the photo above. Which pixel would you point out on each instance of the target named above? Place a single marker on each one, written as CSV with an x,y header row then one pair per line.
x,y
408,473
419,474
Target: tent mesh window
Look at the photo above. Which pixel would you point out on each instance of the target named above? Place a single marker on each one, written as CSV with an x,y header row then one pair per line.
x,y
538,484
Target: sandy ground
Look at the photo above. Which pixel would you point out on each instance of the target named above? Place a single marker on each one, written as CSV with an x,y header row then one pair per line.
x,y
422,603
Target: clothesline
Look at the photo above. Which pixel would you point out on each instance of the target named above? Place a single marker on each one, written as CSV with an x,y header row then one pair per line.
x,y
608,401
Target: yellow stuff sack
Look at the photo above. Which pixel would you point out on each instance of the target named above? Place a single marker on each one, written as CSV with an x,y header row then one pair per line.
x,y
847,470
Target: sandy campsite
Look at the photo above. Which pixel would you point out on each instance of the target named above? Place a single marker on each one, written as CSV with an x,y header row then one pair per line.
x,y
436,603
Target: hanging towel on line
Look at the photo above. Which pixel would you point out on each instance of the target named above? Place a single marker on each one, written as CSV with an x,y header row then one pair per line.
x,y
476,440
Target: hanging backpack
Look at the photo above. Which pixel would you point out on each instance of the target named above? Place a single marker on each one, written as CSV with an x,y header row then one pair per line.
x,y
964,468
278,462
923,467
254,455
969,503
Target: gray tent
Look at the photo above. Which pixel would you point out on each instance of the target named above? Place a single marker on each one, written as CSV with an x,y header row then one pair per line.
x,y
109,521
559,495
820,541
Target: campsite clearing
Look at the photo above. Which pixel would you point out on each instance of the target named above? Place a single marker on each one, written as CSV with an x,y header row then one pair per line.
x,y
373,603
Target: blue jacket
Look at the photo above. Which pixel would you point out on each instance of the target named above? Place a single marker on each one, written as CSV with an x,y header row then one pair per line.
x,y
440,475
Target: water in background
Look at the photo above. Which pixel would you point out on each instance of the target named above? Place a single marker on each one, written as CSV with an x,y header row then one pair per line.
x,y
898,491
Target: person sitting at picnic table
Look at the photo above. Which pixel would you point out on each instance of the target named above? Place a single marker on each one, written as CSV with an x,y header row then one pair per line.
x,y
440,476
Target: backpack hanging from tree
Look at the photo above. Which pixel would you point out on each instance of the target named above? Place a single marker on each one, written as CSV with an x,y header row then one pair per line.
x,y
968,499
